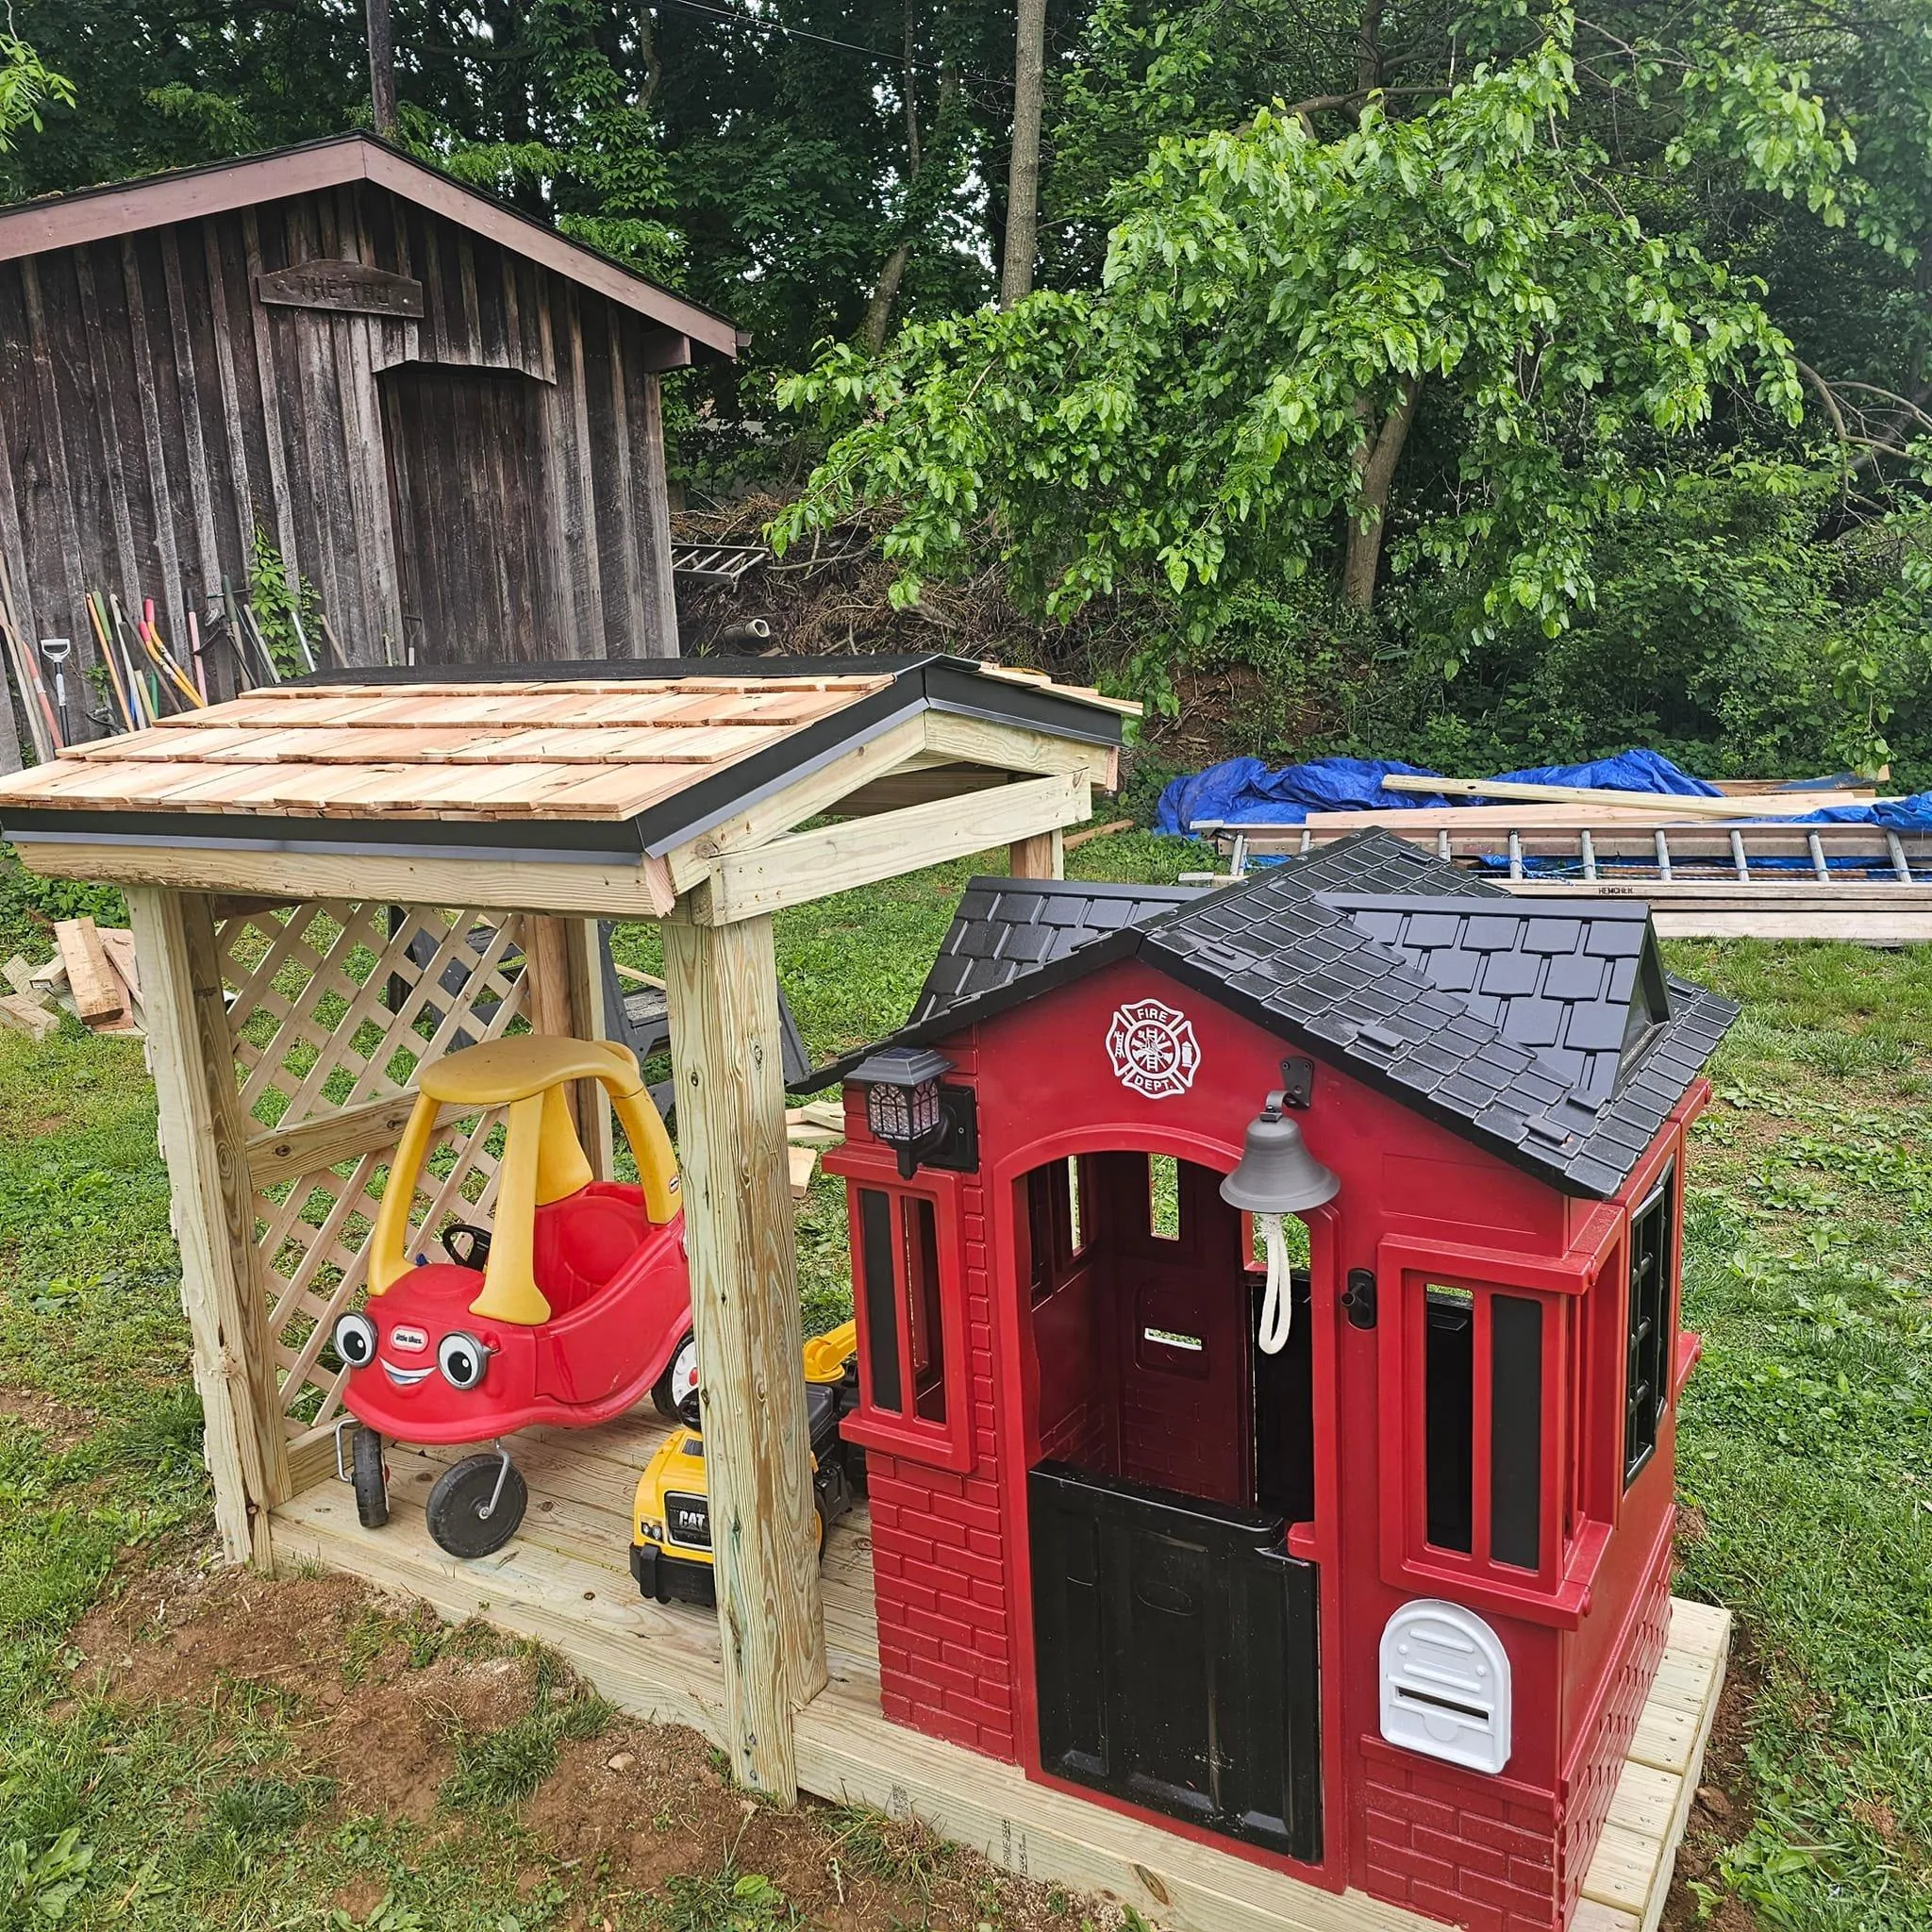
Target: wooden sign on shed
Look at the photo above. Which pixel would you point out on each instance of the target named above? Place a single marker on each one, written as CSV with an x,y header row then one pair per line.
x,y
352,287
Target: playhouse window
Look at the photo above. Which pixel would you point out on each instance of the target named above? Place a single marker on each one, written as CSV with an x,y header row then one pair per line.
x,y
907,1295
1483,1485
905,1318
1164,1197
1649,1327
1055,1225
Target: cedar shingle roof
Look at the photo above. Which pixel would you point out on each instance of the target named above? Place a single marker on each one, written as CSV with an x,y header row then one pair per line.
x,y
1544,1029
622,756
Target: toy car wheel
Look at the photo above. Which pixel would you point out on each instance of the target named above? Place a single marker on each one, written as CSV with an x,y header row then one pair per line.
x,y
457,1505
679,1384
818,1511
370,1477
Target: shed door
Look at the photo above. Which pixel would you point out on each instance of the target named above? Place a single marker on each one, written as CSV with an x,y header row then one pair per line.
x,y
471,497
1176,1660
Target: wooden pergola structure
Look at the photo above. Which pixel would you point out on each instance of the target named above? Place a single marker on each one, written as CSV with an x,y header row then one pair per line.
x,y
332,882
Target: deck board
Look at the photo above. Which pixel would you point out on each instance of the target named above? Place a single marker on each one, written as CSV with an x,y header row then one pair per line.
x,y
565,1581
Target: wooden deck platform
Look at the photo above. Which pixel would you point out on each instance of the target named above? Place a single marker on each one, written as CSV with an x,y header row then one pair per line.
x,y
565,1581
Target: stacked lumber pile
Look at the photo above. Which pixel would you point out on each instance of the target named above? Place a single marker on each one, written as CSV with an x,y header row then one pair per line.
x,y
808,1129
93,976
1730,866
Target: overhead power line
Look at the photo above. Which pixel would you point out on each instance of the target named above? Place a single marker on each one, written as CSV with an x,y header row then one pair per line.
x,y
799,33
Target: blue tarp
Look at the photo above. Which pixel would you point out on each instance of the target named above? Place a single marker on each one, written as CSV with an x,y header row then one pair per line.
x,y
1912,814
1245,791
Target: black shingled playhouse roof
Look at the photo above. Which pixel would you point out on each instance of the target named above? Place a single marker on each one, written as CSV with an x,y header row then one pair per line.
x,y
1544,1029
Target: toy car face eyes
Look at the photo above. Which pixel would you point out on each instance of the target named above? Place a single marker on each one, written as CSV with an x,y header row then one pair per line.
x,y
462,1358
356,1340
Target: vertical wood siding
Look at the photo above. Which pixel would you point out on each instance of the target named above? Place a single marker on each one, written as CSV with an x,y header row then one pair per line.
x,y
153,413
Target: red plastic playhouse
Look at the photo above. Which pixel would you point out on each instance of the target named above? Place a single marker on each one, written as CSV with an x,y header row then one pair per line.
x,y
1367,1574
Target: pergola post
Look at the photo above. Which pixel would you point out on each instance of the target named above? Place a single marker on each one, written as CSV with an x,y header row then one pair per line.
x,y
204,1140
1043,856
722,985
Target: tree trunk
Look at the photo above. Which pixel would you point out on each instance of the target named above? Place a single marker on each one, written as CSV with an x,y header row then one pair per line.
x,y
1022,181
1375,467
878,305
382,69
884,292
1368,49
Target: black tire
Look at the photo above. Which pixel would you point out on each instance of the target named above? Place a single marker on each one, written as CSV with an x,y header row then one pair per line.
x,y
462,1492
370,1478
818,1511
662,1399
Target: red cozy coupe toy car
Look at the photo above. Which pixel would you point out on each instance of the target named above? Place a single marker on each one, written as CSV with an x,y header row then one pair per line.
x,y
575,1302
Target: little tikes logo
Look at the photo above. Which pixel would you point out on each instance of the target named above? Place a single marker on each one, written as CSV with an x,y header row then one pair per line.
x,y
412,1340
1153,1049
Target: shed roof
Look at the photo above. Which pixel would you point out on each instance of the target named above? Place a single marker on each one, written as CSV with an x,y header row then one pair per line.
x,y
1544,1029
631,757
94,214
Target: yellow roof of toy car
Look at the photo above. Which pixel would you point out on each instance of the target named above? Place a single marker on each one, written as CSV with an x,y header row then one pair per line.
x,y
499,1071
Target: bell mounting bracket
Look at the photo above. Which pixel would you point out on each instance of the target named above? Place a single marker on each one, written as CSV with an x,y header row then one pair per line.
x,y
1297,1080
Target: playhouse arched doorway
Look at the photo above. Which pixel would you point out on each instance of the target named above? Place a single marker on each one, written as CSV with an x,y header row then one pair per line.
x,y
1169,1459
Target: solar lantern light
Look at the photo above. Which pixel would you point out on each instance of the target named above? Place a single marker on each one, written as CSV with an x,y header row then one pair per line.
x,y
901,1101
1276,1175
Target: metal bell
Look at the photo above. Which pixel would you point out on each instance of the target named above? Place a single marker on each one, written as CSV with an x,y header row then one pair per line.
x,y
1278,1175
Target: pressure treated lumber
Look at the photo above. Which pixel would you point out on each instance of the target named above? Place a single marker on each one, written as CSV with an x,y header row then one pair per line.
x,y
282,878
562,1581
19,1014
722,985
90,977
1011,747
584,973
1043,856
806,797
835,859
204,1140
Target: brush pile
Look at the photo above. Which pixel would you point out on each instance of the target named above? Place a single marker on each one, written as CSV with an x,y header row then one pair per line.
x,y
93,976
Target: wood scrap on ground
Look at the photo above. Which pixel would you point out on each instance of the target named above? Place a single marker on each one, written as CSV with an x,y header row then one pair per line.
x,y
1105,831
20,1014
93,975
816,1124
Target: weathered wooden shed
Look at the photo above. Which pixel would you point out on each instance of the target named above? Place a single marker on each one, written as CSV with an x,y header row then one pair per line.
x,y
444,414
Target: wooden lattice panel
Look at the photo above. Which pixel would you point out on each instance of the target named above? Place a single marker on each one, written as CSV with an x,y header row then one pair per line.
x,y
335,1004
332,1008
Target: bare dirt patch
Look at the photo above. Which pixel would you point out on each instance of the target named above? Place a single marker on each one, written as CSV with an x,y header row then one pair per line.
x,y
379,1699
64,1427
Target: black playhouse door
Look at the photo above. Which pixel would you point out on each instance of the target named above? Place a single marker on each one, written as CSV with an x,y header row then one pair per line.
x,y
1175,1656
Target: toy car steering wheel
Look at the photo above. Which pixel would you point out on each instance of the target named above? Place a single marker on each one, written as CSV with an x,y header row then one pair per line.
x,y
466,1244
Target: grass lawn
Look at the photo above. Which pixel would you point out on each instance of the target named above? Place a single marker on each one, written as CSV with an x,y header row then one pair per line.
x,y
181,1748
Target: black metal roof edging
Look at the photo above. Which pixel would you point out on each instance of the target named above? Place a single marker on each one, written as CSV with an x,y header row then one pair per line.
x,y
952,685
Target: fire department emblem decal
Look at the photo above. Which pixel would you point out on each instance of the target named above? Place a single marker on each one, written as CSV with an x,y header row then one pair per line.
x,y
1153,1049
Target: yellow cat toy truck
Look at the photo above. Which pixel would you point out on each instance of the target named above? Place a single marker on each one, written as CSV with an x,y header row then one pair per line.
x,y
671,1527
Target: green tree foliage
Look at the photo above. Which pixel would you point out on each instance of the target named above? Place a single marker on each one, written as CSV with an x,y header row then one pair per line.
x,y
1275,311
26,85
1374,338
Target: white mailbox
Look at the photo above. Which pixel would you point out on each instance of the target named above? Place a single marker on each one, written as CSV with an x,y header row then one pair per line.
x,y
1445,1686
